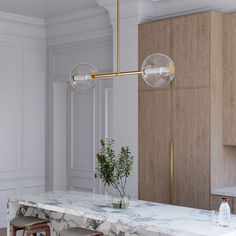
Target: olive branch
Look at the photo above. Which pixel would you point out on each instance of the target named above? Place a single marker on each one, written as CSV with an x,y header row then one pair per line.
x,y
114,169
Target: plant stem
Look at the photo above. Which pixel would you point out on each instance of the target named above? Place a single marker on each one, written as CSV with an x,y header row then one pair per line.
x,y
125,181
117,188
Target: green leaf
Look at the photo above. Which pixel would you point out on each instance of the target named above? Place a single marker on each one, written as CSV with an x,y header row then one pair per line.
x,y
114,169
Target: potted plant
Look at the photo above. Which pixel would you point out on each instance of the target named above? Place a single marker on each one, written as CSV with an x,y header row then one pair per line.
x,y
114,170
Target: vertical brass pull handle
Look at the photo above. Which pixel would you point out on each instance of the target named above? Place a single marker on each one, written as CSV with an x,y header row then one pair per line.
x,y
171,176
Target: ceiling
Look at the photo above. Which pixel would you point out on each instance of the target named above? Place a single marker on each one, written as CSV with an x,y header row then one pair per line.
x,y
45,8
51,8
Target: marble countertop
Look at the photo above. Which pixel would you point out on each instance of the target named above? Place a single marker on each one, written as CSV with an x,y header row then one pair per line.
x,y
154,218
227,191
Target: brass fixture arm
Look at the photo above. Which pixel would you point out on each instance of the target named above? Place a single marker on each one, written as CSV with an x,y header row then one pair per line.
x,y
157,69
115,74
118,73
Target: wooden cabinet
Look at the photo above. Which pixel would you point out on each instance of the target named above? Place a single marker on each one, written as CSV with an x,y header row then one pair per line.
x,y
154,37
190,50
186,113
191,133
155,133
215,202
229,79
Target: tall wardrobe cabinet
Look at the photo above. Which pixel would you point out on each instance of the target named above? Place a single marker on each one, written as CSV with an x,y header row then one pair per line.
x,y
180,125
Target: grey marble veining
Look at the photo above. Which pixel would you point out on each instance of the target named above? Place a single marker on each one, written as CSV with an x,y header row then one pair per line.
x,y
227,191
67,209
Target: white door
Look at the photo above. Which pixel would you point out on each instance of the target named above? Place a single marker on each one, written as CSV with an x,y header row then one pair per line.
x,y
90,118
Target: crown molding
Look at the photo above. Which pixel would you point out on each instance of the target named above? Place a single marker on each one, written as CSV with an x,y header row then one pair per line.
x,y
19,19
75,16
182,13
129,9
130,12
140,11
79,37
223,8
134,12
149,10
83,45
78,26
22,26
227,9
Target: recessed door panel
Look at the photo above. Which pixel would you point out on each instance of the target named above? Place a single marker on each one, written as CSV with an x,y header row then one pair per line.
x,y
191,136
154,143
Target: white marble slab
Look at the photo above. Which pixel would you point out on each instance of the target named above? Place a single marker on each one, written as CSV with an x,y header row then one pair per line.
x,y
227,191
141,218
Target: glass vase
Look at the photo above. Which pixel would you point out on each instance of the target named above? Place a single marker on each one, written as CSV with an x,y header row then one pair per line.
x,y
119,202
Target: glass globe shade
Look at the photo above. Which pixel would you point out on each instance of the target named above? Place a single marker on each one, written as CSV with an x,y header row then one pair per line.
x,y
81,78
158,70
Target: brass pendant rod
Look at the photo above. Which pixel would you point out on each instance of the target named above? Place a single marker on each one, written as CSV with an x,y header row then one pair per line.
x,y
118,72
109,75
118,37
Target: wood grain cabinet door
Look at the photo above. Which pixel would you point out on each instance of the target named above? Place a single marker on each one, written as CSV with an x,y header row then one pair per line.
x,y
154,37
154,139
191,50
191,136
229,81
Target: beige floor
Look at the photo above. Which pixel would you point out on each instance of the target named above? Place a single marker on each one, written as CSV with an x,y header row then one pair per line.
x,y
3,232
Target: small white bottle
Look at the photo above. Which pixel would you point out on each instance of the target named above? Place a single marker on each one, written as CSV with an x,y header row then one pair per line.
x,y
224,217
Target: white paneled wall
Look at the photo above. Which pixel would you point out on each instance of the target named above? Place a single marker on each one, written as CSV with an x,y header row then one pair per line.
x,y
9,97
59,126
78,117
22,107
49,133
33,110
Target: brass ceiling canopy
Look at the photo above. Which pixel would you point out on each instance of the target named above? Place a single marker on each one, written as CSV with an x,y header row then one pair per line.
x,y
157,70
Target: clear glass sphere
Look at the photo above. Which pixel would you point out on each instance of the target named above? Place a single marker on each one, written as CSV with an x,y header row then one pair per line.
x,y
81,78
158,70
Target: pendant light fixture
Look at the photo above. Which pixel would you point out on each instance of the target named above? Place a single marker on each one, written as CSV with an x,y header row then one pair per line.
x,y
157,69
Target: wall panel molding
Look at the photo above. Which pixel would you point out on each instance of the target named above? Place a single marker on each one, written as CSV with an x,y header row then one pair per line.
x,y
60,70
80,37
22,140
9,125
108,112
33,86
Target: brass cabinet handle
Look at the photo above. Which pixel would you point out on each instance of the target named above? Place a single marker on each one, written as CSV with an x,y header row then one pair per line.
x,y
171,173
